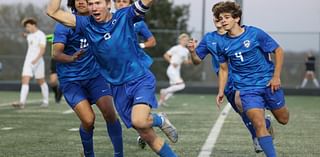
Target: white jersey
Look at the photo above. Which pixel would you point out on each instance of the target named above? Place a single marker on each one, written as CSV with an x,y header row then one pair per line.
x,y
178,54
34,41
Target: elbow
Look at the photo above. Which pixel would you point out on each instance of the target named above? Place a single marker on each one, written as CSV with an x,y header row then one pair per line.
x,y
50,12
196,62
154,43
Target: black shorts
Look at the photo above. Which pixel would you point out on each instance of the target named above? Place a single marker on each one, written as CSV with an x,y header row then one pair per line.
x,y
53,68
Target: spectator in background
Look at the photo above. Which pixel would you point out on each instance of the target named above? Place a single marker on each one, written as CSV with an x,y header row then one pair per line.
x,y
34,63
310,71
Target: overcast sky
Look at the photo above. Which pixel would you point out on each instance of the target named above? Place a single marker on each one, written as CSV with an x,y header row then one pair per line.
x,y
299,18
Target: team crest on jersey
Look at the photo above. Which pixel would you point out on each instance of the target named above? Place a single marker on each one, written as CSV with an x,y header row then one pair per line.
x,y
107,36
246,43
114,21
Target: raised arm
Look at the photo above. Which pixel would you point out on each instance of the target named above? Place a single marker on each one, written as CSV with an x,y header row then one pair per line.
x,y
54,11
147,3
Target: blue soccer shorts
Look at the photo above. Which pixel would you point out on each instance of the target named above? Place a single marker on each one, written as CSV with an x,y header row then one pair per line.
x,y
91,89
138,91
262,98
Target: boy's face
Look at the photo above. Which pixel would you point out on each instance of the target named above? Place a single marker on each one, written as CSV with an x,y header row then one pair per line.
x,y
81,6
30,28
118,4
99,9
227,21
217,23
184,41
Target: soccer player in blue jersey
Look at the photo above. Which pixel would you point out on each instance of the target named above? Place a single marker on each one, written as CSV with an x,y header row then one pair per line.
x,y
140,27
82,84
208,45
148,41
247,50
113,41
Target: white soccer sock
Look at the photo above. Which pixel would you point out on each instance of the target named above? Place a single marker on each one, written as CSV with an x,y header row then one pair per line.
x,y
172,89
45,93
304,83
24,93
316,83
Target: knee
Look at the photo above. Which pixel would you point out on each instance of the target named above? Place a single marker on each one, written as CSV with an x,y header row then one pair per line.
x,y
88,122
284,119
259,125
139,124
110,118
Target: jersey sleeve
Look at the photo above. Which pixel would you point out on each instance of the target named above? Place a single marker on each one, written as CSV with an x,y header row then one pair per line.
x,y
202,49
171,50
266,42
81,23
222,56
42,39
137,11
60,34
144,30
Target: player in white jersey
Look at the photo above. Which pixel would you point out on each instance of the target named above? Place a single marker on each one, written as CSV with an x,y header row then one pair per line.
x,y
176,56
34,64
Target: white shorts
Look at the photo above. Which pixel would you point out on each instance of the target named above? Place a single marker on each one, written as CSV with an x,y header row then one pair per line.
x,y
36,70
174,74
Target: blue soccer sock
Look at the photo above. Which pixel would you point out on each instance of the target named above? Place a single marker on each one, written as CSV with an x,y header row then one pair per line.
x,y
249,125
166,151
268,123
115,134
157,120
267,146
87,141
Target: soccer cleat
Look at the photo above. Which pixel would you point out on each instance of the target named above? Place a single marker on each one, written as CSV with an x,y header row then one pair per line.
x,y
256,145
168,128
18,105
44,105
141,143
270,129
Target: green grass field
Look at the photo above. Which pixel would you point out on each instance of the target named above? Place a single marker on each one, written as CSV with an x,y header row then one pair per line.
x,y
44,132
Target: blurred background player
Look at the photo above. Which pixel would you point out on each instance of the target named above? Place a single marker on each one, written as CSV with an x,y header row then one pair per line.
x,y
54,83
34,63
310,63
246,49
82,83
175,56
148,41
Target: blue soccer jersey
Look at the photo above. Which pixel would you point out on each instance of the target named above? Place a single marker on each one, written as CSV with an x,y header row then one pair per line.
x,y
248,56
115,45
143,31
83,68
208,45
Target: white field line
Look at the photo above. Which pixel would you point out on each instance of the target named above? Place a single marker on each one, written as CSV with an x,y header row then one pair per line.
x,y
208,146
68,111
29,101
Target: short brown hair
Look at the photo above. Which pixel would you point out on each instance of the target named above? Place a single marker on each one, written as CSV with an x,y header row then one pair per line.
x,y
28,20
227,7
